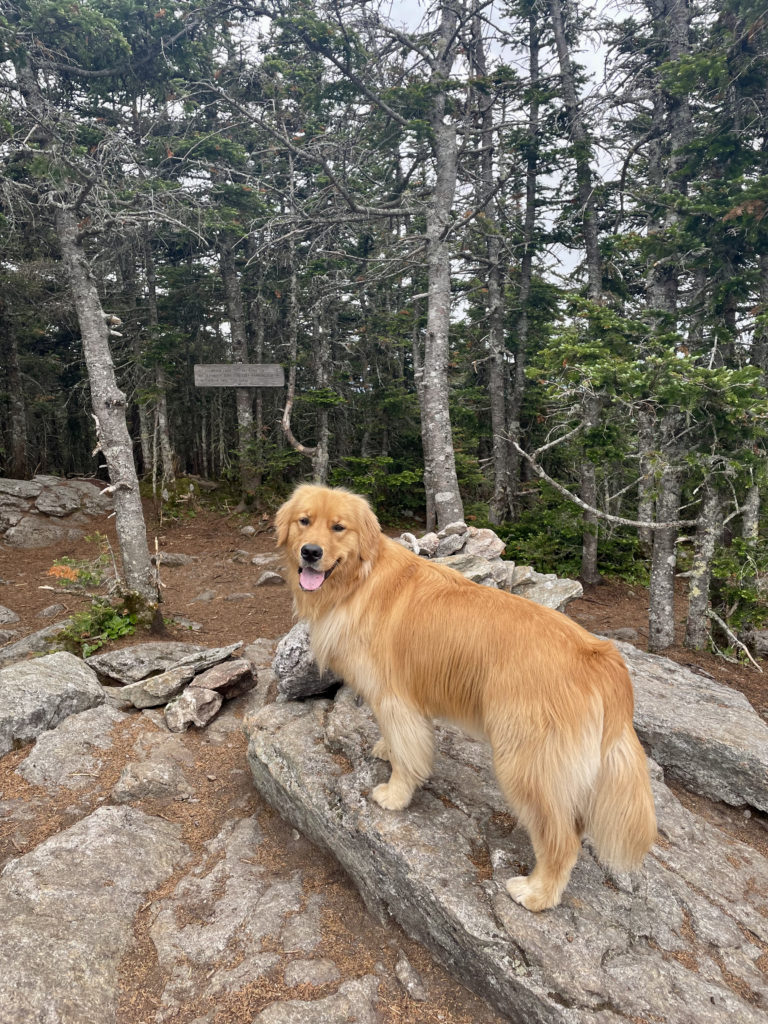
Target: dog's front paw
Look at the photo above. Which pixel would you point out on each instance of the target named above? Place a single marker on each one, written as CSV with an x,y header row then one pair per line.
x,y
391,796
529,895
381,750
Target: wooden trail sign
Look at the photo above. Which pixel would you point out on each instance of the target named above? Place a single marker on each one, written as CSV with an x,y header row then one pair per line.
x,y
239,375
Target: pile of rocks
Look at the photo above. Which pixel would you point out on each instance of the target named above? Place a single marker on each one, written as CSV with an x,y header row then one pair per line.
x,y
476,553
48,509
191,682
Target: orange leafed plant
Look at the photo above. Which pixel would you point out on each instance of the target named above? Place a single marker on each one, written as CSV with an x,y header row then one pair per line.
x,y
64,572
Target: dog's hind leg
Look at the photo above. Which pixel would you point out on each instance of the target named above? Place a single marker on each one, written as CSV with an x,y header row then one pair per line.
x,y
408,739
544,809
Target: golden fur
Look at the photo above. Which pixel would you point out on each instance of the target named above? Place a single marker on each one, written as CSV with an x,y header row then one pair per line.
x,y
419,641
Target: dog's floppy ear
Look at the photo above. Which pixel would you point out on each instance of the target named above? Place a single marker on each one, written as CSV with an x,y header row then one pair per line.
x,y
369,532
282,522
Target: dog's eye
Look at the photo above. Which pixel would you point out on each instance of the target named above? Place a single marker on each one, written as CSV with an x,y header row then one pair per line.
x,y
304,521
338,528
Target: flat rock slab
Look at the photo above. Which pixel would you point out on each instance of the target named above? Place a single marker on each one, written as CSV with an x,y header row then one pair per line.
x,y
39,642
131,664
67,911
224,924
36,695
71,754
705,734
683,942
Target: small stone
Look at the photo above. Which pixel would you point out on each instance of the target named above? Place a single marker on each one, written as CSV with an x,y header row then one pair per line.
x,y
173,559
311,972
458,528
205,595
150,693
229,678
7,616
409,978
449,545
195,706
270,579
51,610
241,596
428,545
248,531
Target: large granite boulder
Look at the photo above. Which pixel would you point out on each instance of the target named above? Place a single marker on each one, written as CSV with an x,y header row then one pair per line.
x,y
706,735
36,695
67,911
681,942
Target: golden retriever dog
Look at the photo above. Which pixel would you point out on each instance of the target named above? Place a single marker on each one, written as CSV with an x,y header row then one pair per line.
x,y
418,641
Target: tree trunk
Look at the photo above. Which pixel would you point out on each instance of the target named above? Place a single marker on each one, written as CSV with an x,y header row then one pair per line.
x,y
109,406
322,351
515,404
581,150
243,396
439,456
645,501
161,401
707,534
16,466
661,616
500,502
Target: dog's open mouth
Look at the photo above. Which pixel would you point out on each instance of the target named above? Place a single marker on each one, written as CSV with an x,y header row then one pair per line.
x,y
311,579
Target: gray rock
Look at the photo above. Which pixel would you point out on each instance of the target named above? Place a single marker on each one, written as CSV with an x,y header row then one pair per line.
x,y
42,641
457,529
28,489
157,690
130,664
484,543
173,559
270,579
243,595
229,678
51,610
58,501
195,706
311,972
354,1003
36,695
653,947
205,595
6,635
207,657
67,911
266,559
477,569
296,669
92,499
428,545
185,623
704,734
37,531
232,905
409,978
7,616
625,633
161,771
450,544
248,531
69,755
260,653
549,590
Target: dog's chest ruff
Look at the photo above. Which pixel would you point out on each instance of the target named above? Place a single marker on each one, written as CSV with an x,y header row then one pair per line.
x,y
337,643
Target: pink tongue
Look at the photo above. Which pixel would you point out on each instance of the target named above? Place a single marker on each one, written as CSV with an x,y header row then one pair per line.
x,y
310,579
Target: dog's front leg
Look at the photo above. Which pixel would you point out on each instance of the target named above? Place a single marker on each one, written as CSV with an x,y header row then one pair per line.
x,y
408,744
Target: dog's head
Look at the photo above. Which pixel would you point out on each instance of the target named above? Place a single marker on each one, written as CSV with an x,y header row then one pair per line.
x,y
330,538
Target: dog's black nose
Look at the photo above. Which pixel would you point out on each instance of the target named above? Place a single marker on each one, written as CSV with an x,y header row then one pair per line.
x,y
311,552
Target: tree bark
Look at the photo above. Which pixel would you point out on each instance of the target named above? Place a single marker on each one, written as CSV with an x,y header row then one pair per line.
x,y
17,465
437,435
109,405
707,535
517,396
661,615
243,396
161,399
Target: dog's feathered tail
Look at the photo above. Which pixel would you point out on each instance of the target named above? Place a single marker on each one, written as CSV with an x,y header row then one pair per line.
x,y
620,819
